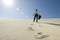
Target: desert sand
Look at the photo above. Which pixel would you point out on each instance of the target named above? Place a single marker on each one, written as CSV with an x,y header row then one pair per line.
x,y
26,29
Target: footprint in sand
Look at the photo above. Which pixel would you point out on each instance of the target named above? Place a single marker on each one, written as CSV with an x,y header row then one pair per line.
x,y
41,36
39,33
31,28
31,24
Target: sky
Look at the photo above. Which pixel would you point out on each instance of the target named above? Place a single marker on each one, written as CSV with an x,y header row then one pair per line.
x,y
26,8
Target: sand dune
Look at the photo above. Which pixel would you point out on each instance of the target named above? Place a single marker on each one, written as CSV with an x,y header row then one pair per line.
x,y
17,29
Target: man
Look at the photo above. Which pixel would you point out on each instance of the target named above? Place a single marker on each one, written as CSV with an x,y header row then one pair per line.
x,y
36,15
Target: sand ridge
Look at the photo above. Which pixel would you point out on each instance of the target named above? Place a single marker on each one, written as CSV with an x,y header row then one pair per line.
x,y
19,30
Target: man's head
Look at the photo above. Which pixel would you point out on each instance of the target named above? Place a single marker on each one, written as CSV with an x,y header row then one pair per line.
x,y
36,10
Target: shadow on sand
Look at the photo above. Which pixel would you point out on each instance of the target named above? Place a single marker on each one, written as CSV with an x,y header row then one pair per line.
x,y
50,23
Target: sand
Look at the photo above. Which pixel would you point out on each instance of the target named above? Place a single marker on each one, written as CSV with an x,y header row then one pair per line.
x,y
26,29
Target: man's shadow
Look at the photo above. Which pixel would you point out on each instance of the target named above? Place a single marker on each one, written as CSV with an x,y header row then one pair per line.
x,y
50,23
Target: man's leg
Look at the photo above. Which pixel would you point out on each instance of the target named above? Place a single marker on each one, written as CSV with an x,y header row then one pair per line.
x,y
34,19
